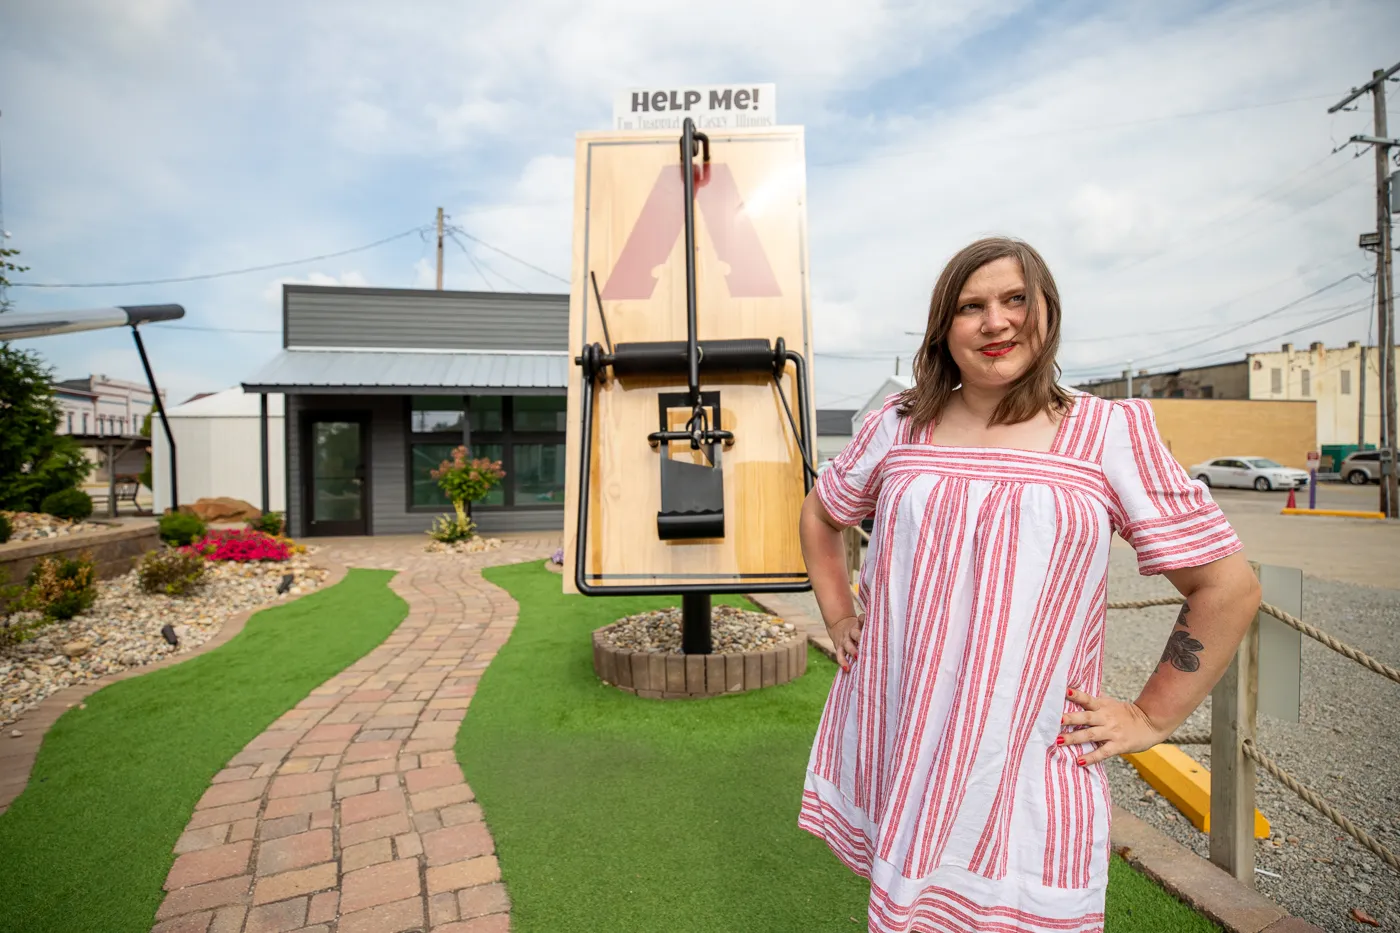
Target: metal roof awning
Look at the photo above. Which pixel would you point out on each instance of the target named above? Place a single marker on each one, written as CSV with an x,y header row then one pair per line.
x,y
376,372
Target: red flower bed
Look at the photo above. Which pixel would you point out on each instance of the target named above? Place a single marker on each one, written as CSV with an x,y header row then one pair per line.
x,y
241,544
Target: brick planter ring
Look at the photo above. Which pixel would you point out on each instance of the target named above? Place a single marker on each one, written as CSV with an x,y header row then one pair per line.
x,y
694,676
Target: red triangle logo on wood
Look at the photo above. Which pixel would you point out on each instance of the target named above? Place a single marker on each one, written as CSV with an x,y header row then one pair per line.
x,y
660,224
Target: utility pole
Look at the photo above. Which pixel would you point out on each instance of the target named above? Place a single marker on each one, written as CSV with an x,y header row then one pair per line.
x,y
1385,294
439,250
1129,373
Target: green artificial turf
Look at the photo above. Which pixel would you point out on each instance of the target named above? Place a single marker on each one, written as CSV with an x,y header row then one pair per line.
x,y
618,813
87,846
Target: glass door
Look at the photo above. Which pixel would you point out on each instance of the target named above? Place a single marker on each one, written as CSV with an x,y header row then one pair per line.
x,y
337,500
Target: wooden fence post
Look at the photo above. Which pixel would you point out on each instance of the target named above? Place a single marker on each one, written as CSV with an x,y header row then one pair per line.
x,y
1233,706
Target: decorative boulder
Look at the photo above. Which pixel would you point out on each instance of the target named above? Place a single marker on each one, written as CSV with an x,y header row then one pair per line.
x,y
223,509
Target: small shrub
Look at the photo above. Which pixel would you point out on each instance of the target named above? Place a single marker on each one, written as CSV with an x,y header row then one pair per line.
x,y
72,504
269,523
6,528
179,529
450,529
243,545
173,571
60,587
557,557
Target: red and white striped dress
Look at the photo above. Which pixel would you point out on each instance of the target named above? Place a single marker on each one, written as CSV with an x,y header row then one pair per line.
x,y
935,772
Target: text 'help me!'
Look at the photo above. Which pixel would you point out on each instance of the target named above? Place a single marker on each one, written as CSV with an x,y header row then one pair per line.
x,y
711,106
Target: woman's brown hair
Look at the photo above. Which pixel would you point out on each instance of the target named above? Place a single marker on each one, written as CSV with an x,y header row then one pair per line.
x,y
935,373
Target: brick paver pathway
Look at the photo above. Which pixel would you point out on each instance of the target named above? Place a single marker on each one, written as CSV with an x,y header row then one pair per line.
x,y
350,813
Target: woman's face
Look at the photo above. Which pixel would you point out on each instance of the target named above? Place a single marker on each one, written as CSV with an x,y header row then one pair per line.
x,y
988,339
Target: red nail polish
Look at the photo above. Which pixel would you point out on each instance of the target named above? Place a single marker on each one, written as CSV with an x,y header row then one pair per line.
x,y
1059,740
1069,692
1081,761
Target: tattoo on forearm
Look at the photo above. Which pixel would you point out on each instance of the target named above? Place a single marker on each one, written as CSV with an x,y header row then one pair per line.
x,y
1182,650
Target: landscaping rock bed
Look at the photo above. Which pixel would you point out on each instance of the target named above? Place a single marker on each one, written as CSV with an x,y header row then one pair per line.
x,y
733,631
34,526
470,546
123,628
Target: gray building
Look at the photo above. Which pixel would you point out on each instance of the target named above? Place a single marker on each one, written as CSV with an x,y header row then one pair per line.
x,y
381,384
1222,380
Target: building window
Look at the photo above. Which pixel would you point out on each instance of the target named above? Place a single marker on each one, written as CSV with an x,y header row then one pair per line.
x,y
70,422
424,459
1276,381
435,414
538,413
539,474
1346,382
524,433
1307,383
85,422
488,413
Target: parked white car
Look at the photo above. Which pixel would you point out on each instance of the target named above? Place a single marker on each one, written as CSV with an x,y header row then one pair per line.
x,y
1259,473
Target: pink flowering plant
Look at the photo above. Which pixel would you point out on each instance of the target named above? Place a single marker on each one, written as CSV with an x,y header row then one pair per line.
x,y
465,480
240,544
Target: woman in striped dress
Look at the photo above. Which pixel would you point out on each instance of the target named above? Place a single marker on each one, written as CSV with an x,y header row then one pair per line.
x,y
958,762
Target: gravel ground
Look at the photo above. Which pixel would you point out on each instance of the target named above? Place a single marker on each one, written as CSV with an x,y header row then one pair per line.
x,y
734,631
33,526
1346,747
122,628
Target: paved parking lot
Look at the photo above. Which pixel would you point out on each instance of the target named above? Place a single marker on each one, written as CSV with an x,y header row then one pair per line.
x,y
1349,550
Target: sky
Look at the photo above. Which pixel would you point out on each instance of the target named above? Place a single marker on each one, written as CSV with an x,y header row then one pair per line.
x,y
1174,163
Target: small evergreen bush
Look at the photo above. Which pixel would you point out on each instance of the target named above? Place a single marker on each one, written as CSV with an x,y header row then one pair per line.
x,y
179,529
72,504
269,523
61,587
172,571
6,528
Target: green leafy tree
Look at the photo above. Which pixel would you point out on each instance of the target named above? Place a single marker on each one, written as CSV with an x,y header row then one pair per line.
x,y
146,475
35,460
7,268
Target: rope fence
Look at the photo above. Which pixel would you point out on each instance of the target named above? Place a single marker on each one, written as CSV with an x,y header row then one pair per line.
x,y
1251,750
1327,810
1243,868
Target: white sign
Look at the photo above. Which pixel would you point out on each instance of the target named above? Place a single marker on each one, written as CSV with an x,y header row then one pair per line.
x,y
1314,458
711,106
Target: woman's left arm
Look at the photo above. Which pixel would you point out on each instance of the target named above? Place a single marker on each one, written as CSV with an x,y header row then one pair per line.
x,y
1222,598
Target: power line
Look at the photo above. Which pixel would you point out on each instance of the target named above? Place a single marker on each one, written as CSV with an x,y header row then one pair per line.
x,y
229,272
217,330
479,265
1255,320
523,262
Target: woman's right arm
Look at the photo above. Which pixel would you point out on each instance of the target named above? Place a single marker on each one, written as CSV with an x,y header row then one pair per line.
x,y
824,552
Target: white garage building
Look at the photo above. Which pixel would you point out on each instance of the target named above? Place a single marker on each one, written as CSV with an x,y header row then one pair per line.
x,y
217,450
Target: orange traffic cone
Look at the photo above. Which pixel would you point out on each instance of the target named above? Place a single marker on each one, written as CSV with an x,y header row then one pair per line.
x,y
1292,499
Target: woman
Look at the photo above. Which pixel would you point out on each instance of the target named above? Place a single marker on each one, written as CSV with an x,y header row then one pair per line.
x,y
958,760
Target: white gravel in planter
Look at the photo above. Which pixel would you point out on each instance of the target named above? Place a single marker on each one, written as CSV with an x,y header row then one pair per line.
x,y
121,630
469,546
35,526
732,631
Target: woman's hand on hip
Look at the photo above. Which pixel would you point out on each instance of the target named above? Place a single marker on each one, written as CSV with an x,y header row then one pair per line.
x,y
1116,726
845,636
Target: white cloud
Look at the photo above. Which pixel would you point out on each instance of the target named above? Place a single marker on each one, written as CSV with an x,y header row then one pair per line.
x,y
162,138
352,279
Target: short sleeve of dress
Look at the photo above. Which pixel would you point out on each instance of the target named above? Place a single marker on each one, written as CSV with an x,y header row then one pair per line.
x,y
850,484
1165,515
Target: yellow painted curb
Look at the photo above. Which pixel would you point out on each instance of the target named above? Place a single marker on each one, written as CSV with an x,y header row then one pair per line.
x,y
1185,782
1340,513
